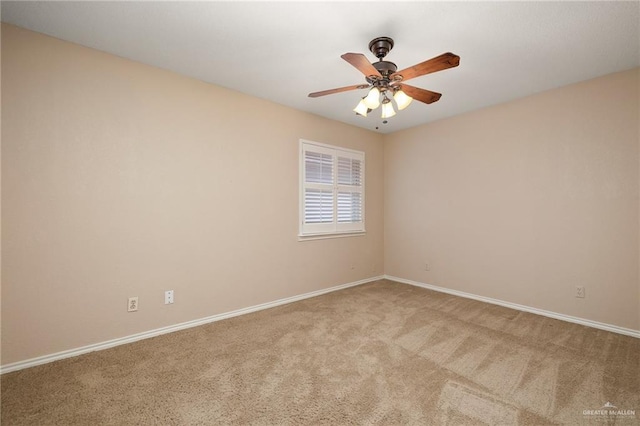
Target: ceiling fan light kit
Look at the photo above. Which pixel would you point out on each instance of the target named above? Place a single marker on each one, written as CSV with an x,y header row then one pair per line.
x,y
387,108
361,108
372,100
402,99
383,78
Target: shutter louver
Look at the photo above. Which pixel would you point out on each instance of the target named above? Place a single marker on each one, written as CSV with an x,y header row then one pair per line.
x,y
318,206
349,207
349,193
319,168
349,171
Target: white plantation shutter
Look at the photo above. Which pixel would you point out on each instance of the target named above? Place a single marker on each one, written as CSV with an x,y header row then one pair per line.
x,y
349,207
318,167
332,189
349,190
318,206
318,191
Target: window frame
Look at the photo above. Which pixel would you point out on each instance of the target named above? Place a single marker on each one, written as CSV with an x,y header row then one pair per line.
x,y
335,228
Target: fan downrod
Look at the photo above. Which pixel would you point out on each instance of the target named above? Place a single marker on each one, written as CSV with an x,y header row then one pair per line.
x,y
380,46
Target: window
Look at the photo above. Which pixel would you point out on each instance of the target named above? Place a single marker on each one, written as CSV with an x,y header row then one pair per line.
x,y
331,190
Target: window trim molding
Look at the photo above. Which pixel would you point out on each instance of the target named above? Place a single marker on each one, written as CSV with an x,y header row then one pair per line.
x,y
335,233
327,236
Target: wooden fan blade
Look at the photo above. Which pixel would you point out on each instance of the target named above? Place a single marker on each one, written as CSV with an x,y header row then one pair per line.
x,y
439,63
361,62
422,95
338,90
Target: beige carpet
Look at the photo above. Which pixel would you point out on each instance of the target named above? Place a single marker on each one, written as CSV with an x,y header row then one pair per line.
x,y
381,353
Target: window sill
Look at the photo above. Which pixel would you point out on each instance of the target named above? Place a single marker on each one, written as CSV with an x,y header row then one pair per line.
x,y
312,237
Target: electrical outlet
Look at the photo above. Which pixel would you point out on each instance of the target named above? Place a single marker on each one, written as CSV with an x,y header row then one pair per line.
x,y
427,267
168,297
132,306
580,291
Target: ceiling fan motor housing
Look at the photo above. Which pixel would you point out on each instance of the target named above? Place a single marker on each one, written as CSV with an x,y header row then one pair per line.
x,y
385,68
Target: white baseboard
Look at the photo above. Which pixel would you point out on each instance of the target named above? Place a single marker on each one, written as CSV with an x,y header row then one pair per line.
x,y
170,329
562,317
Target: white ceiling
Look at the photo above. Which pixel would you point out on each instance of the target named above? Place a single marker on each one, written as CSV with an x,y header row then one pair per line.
x,y
281,51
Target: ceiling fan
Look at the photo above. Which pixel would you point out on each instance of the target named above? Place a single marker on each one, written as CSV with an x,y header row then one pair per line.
x,y
383,78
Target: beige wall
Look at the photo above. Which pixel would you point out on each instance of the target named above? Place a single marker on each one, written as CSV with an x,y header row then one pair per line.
x,y
119,179
524,201
0,198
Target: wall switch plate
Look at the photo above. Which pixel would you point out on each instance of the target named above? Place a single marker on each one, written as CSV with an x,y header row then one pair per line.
x,y
580,291
168,297
132,306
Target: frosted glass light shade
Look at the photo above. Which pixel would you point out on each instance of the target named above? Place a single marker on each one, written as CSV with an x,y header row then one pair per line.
x,y
372,101
387,110
361,108
402,99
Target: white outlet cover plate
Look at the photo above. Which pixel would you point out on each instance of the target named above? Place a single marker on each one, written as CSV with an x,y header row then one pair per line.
x,y
132,305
